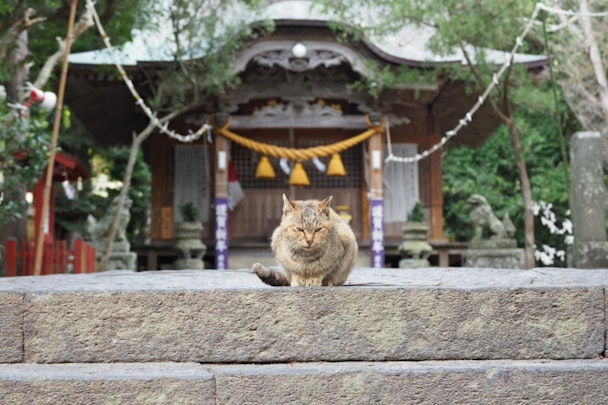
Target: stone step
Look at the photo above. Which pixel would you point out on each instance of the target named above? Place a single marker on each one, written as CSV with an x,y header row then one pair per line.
x,y
210,316
426,382
147,383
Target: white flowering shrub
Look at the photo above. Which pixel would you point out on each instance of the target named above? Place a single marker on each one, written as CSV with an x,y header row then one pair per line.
x,y
546,254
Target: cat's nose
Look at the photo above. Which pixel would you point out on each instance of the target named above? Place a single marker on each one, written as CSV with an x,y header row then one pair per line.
x,y
309,242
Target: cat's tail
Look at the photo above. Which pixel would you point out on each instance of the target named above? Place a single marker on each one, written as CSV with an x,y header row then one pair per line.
x,y
271,277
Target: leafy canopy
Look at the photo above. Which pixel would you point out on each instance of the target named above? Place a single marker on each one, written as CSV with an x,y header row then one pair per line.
x,y
25,140
203,37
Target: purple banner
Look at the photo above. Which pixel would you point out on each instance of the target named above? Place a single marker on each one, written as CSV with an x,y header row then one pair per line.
x,y
377,232
221,233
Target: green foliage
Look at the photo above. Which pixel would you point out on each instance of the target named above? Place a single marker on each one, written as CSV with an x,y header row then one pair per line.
x,y
206,35
417,213
490,171
474,25
5,8
71,215
188,212
387,77
118,18
482,23
140,191
24,144
24,149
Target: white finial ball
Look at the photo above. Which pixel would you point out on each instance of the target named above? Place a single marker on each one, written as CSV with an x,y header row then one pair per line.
x,y
299,50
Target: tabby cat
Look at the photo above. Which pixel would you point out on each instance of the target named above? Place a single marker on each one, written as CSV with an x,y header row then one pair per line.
x,y
313,245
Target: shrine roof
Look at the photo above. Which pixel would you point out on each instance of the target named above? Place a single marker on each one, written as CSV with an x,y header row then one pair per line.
x,y
69,167
407,46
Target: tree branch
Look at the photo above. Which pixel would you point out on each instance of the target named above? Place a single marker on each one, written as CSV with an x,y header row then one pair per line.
x,y
8,40
569,24
84,22
126,183
591,99
595,57
480,84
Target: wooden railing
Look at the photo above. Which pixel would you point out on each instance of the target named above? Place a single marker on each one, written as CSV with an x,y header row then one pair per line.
x,y
56,258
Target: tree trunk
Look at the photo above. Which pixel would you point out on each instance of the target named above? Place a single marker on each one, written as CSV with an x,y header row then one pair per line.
x,y
595,57
8,39
137,141
19,70
526,191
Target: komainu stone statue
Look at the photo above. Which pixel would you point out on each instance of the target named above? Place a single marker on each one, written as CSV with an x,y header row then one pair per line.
x,y
492,245
486,226
98,231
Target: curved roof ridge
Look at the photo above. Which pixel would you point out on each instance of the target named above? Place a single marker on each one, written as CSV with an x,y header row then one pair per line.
x,y
406,46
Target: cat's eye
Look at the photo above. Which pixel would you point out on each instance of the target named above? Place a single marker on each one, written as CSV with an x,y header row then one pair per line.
x,y
299,229
318,229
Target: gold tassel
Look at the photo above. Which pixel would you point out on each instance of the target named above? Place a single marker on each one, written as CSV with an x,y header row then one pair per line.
x,y
335,167
298,176
264,170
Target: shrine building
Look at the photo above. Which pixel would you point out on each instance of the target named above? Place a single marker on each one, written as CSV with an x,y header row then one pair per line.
x,y
295,94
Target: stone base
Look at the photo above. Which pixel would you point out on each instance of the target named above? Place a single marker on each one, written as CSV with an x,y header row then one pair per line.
x,y
121,261
591,255
494,258
189,264
413,263
493,244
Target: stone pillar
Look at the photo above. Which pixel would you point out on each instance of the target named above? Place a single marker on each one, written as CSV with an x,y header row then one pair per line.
x,y
588,201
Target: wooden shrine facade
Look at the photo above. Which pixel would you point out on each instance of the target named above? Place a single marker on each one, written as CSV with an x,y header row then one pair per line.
x,y
302,103
298,102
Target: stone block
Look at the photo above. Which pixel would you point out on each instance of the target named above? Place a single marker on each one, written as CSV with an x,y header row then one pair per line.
x,y
122,261
56,384
591,254
421,314
11,332
447,382
494,258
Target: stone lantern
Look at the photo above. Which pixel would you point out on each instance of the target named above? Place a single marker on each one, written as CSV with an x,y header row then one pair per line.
x,y
415,249
189,245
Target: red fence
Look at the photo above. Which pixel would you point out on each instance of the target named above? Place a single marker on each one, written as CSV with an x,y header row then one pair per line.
x,y
56,258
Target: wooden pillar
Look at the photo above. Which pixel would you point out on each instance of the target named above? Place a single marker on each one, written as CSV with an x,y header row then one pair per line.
x,y
221,202
376,199
49,226
162,158
436,197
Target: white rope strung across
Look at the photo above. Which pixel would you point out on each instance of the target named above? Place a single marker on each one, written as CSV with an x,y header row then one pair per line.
x,y
555,10
192,136
468,117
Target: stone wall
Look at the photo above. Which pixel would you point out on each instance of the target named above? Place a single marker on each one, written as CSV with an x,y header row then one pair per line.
x,y
431,335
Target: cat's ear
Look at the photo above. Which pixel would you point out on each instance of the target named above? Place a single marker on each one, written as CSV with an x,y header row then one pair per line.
x,y
288,204
325,204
